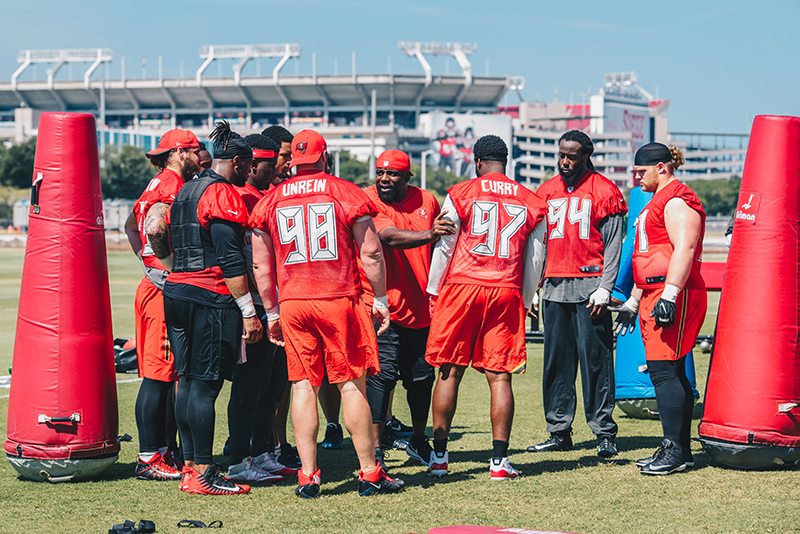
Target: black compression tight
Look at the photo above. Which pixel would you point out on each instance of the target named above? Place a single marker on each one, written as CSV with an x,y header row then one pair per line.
x,y
155,415
194,410
675,399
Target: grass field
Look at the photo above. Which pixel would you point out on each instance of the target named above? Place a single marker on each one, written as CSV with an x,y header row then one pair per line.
x,y
560,491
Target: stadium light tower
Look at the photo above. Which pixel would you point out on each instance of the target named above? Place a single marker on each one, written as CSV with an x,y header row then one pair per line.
x,y
57,59
244,53
459,51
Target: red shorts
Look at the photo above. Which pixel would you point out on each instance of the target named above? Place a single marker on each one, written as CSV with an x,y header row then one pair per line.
x,y
333,337
152,346
482,325
675,341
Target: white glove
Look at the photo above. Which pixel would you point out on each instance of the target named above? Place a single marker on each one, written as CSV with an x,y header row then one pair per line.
x,y
600,297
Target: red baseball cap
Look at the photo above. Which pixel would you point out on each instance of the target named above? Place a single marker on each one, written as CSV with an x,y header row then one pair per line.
x,y
307,147
173,139
396,160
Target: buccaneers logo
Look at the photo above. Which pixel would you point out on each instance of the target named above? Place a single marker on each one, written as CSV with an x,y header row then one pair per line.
x,y
423,213
301,146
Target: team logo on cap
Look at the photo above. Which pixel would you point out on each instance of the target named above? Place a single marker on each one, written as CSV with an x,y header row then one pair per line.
x,y
386,163
301,146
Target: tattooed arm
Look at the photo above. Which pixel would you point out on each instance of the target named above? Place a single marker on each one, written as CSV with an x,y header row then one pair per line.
x,y
157,230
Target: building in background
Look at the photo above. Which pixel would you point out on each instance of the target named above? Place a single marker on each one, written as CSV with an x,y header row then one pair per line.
x,y
435,117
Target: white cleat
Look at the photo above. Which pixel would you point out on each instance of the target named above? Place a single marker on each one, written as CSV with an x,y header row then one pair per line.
x,y
501,469
249,471
437,466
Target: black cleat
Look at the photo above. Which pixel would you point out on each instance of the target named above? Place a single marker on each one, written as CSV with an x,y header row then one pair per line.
x,y
334,437
419,450
308,486
669,459
287,455
400,430
561,441
688,459
606,447
380,458
382,483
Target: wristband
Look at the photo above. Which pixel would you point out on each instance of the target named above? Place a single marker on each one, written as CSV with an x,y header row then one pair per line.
x,y
382,303
245,303
670,293
274,313
632,303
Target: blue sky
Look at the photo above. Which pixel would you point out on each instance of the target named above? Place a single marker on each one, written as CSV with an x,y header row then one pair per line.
x,y
720,63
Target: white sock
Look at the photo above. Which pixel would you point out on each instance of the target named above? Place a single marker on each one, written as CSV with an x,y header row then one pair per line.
x,y
146,456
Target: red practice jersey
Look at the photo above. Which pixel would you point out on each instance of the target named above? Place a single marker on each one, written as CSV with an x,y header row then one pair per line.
x,y
406,268
574,243
310,218
652,248
251,195
220,201
497,216
162,188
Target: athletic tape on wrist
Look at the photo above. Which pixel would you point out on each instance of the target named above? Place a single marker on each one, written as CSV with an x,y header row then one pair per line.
x,y
382,302
245,303
274,313
670,293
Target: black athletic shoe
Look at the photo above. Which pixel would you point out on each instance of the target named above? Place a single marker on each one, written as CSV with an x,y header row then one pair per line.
x,y
419,450
308,486
334,437
379,482
287,455
561,441
668,460
400,430
688,459
606,447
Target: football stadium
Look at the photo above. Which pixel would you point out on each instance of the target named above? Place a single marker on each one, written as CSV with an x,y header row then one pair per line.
x,y
257,294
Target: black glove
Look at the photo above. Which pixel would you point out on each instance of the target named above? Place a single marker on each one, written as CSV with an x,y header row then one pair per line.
x,y
664,312
626,321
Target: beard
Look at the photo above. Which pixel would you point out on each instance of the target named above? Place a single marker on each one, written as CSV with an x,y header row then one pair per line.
x,y
390,195
571,176
190,169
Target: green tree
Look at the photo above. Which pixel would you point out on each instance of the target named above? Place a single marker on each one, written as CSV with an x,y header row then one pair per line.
x,y
125,172
719,197
351,169
16,164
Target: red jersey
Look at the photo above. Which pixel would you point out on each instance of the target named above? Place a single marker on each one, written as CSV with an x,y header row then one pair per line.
x,y
652,248
220,201
162,188
250,194
574,243
497,216
406,268
310,218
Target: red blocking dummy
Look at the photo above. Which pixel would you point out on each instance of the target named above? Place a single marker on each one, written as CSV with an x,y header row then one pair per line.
x,y
751,417
62,409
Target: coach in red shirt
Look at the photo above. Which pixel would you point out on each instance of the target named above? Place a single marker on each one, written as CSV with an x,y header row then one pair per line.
x,y
585,225
409,221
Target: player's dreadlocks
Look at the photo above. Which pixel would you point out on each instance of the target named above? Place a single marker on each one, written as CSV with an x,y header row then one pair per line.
x,y
261,141
587,147
227,143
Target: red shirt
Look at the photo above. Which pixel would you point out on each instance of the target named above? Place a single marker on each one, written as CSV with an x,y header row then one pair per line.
x,y
220,201
250,194
574,243
310,219
162,188
497,217
406,268
652,248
